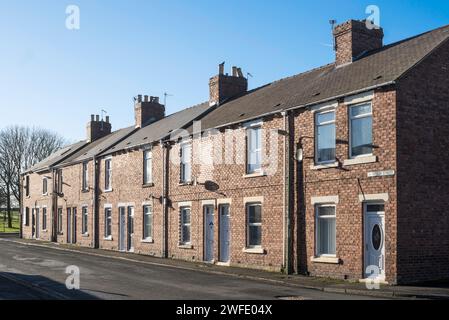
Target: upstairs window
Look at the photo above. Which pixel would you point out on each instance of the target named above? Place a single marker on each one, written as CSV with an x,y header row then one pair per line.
x,y
186,156
59,181
60,220
44,186
361,129
108,174
325,137
85,176
27,186
147,167
254,149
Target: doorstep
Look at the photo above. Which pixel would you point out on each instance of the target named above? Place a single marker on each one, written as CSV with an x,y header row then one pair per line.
x,y
321,284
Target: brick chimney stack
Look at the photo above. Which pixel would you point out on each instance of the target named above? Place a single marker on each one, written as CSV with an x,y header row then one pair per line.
x,y
223,86
147,110
353,38
97,128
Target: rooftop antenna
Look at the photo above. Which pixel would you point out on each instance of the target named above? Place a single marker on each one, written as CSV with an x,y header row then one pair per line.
x,y
333,23
248,75
165,99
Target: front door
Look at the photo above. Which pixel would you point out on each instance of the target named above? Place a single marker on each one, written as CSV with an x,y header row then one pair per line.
x,y
224,233
209,233
69,225
74,225
130,229
33,224
122,229
375,241
37,224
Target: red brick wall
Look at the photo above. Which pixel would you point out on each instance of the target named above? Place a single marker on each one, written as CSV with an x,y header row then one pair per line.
x,y
423,171
347,182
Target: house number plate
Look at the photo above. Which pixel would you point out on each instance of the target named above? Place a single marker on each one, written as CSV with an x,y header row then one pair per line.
x,y
387,173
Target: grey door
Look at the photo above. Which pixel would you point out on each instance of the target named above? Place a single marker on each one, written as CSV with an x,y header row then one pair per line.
x,y
224,233
208,233
33,223
37,233
375,241
122,229
69,225
130,229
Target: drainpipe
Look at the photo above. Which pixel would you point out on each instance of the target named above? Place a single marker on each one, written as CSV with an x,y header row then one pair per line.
x,y
54,207
286,195
165,164
95,198
22,211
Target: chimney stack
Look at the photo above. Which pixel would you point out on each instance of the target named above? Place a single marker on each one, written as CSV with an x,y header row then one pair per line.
x,y
353,38
148,110
97,129
223,87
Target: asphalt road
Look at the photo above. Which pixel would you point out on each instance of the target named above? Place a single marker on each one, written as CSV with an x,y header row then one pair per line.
x,y
30,272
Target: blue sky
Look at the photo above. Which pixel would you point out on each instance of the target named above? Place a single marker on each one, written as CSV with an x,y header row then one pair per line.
x,y
55,78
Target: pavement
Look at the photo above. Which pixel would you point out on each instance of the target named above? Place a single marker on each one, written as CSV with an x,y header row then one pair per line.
x,y
41,267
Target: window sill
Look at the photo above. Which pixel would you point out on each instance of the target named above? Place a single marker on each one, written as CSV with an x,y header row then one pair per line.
x,y
45,194
323,259
187,183
254,175
254,250
360,160
324,166
45,231
85,190
108,239
185,246
148,185
85,235
149,240
108,191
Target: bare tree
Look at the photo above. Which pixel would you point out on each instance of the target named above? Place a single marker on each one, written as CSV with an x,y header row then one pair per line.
x,y
20,149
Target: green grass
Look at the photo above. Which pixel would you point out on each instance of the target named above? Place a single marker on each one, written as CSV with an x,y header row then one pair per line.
x,y
4,222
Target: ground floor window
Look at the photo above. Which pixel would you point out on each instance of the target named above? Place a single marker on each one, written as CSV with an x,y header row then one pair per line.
x,y
108,222
26,220
326,230
85,214
254,225
147,222
185,225
59,220
44,218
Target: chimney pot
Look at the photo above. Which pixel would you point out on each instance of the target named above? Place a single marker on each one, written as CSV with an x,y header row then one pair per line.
x,y
97,118
92,117
234,71
221,68
107,119
145,98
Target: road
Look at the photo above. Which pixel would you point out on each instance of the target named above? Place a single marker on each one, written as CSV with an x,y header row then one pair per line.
x,y
30,272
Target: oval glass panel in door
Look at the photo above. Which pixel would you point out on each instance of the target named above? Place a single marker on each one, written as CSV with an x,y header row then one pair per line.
x,y
377,237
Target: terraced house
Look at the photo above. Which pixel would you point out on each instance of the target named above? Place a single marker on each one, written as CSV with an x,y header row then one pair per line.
x,y
337,172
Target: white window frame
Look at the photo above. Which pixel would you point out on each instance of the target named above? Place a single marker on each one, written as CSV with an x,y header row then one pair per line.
x,y
107,221
85,222
251,127
108,174
44,186
148,211
317,218
182,224
85,176
147,167
44,218
350,117
334,122
257,224
184,178
60,219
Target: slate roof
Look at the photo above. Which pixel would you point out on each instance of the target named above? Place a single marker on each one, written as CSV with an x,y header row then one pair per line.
x,y
98,146
56,157
376,68
161,129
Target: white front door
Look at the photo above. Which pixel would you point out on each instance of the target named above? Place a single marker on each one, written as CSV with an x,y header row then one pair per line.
x,y
224,233
209,233
375,241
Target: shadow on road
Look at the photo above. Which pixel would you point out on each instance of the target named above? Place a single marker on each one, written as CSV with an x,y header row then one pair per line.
x,y
14,286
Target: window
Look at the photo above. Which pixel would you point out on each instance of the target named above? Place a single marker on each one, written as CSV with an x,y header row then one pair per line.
x,y
44,186
325,230
85,215
108,174
26,219
85,176
27,186
254,225
60,220
361,122
147,167
147,222
108,223
185,225
254,149
44,218
186,154
325,137
59,181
